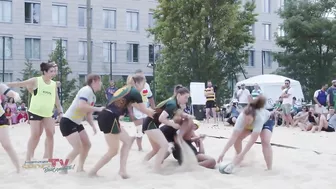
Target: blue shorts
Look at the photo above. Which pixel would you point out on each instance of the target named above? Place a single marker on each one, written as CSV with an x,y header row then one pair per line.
x,y
269,125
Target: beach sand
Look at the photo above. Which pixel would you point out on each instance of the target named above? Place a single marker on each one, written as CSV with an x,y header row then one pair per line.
x,y
293,168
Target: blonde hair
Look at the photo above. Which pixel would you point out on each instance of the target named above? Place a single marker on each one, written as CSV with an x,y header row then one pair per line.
x,y
133,79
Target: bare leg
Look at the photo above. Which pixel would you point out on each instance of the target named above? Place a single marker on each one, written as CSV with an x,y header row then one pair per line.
x,y
138,127
112,141
265,137
302,126
207,114
323,124
214,113
36,131
7,145
49,125
86,146
157,136
238,145
75,141
153,152
125,148
206,161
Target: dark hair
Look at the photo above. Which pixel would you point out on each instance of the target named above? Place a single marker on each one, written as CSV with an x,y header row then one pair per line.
x,y
177,87
9,99
182,91
44,67
294,98
91,78
287,80
138,71
257,103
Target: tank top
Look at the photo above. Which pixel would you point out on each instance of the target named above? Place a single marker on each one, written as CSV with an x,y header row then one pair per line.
x,y
43,102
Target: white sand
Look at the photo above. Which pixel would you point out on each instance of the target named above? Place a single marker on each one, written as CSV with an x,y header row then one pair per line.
x,y
292,168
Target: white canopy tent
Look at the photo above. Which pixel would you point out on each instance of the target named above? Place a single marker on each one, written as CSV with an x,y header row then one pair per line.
x,y
270,86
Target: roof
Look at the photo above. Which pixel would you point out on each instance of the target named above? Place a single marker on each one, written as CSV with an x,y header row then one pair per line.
x,y
267,79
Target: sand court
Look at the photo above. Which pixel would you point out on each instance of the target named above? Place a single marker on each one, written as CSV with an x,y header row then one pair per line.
x,y
293,168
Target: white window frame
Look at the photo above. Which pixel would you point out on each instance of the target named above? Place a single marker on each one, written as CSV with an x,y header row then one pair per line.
x,y
151,20
156,51
281,31
58,14
114,20
129,18
8,39
85,15
267,6
251,29
84,43
32,47
130,52
32,12
64,45
250,59
106,51
267,58
2,11
267,27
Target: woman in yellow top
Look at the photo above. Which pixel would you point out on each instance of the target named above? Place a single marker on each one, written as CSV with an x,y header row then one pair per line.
x,y
42,103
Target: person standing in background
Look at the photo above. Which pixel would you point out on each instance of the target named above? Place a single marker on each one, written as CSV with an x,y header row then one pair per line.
x,y
320,98
287,103
332,94
110,91
256,91
210,104
244,96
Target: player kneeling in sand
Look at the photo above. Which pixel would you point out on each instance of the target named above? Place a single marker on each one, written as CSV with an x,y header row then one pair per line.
x,y
249,122
4,136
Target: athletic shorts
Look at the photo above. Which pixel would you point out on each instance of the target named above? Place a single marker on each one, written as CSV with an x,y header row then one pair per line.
x,y
269,125
210,104
169,132
328,129
138,114
149,124
108,122
67,127
34,117
286,109
230,120
177,151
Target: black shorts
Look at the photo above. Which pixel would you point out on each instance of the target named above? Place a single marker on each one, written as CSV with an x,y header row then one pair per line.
x,y
329,129
149,124
230,120
108,122
169,132
210,104
67,127
177,151
34,117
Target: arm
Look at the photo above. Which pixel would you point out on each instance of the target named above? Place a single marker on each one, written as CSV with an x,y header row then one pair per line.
x,y
150,96
130,112
315,97
58,103
142,108
164,119
86,108
151,102
201,147
30,83
89,119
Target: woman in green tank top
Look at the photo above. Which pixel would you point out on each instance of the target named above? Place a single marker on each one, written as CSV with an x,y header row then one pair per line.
x,y
43,100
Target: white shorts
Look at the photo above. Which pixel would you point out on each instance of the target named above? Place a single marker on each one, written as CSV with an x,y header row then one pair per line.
x,y
139,132
138,114
320,110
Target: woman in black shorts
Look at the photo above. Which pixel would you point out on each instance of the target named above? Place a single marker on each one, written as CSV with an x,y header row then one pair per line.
x,y
164,112
108,121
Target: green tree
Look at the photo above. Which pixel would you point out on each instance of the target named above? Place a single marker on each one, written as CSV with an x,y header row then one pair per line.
x,y
27,73
68,85
309,43
202,39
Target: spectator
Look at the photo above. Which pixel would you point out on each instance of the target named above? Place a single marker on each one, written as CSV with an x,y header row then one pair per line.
x,y
12,105
295,107
325,124
301,117
23,116
210,105
287,103
320,98
310,121
234,112
244,96
110,91
256,91
331,98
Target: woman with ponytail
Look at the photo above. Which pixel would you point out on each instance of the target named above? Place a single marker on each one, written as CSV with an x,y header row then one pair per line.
x,y
249,122
108,121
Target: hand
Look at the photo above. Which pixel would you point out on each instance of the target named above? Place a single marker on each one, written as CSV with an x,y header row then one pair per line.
x,y
94,130
319,105
220,158
202,136
150,112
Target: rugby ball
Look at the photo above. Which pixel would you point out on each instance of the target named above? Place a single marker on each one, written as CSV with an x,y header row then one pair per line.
x,y
226,168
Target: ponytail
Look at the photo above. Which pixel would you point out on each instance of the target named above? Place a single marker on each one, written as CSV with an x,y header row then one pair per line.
x,y
130,80
257,103
136,78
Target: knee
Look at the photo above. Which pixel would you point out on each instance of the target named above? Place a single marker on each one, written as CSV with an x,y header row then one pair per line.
x,y
36,135
266,144
86,145
212,163
112,152
50,133
164,146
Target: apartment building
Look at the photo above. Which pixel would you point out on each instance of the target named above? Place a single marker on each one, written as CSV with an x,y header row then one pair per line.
x,y
31,28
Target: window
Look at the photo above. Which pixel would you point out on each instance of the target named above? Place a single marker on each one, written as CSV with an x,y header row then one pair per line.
x,y
282,4
8,47
267,31
267,58
8,77
151,20
133,53
152,51
109,49
132,21
5,10
59,15
82,50
64,46
281,32
251,30
109,19
250,60
33,48
82,79
32,13
82,17
267,6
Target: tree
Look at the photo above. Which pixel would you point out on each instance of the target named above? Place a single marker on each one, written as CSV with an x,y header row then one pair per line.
x,y
309,43
27,73
68,85
203,40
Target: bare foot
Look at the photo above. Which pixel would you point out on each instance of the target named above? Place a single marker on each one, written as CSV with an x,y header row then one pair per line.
x,y
140,150
92,175
80,170
124,175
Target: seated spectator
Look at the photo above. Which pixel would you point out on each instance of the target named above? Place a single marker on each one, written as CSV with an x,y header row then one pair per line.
x,y
301,117
328,123
278,112
294,108
234,112
23,115
310,121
